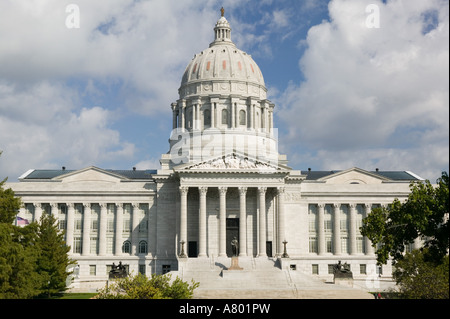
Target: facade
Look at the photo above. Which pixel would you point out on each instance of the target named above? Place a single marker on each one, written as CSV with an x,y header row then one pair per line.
x,y
221,178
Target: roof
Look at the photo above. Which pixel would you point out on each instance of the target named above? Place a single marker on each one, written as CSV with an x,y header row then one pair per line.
x,y
49,173
393,175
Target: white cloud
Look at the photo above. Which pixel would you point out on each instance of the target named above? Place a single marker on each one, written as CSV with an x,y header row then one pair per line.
x,y
41,128
373,96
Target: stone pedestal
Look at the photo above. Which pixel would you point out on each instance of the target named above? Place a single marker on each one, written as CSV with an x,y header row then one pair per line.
x,y
235,264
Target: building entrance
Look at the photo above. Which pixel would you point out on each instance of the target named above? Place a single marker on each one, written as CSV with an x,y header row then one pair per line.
x,y
232,231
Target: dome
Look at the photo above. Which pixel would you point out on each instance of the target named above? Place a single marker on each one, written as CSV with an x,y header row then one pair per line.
x,y
222,68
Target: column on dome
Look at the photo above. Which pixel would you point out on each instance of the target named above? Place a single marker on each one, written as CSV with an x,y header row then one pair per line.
x,y
86,239
214,121
202,222
222,221
174,115
337,229
234,113
262,221
70,226
119,229
182,112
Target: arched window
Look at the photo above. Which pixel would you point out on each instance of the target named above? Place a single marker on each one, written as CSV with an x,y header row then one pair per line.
x,y
225,116
207,118
126,247
242,118
142,247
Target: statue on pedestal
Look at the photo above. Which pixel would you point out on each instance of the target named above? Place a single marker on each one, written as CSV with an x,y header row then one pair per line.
x,y
118,271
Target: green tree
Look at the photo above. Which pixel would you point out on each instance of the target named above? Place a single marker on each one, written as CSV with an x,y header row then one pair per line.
x,y
424,214
143,287
53,260
419,279
18,254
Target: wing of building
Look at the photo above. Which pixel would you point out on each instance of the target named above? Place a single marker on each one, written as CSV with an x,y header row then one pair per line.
x,y
221,179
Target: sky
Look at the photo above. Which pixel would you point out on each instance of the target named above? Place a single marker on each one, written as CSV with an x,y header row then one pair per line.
x,y
355,83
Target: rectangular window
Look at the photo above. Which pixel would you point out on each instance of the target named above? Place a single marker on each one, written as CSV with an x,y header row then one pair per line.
x,y
360,244
329,244
344,245
315,269
313,244
142,269
330,269
362,269
77,245
92,270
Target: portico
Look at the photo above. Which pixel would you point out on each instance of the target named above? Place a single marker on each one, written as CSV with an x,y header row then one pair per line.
x,y
209,198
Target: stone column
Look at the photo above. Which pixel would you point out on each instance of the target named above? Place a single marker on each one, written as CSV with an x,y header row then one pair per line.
x,y
321,230
37,212
242,221
135,228
174,115
193,122
119,229
102,230
337,230
202,222
262,221
70,225
222,222
183,113
183,215
369,248
352,229
281,230
86,241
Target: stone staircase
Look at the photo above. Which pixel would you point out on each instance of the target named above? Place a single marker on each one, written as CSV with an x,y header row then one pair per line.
x,y
260,278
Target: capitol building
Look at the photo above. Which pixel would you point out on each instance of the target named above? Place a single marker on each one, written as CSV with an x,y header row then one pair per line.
x,y
222,178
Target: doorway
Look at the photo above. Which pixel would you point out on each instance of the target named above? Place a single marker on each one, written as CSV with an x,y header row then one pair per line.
x,y
231,232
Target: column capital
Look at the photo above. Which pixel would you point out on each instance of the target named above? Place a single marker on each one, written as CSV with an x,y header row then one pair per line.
x,y
87,205
119,205
184,190
242,190
281,190
223,190
203,190
321,205
262,190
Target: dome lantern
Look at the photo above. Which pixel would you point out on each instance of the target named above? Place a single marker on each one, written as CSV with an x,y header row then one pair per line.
x,y
222,30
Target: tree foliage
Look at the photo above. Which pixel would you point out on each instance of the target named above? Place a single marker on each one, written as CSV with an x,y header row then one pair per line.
x,y
423,215
33,259
53,260
419,279
143,287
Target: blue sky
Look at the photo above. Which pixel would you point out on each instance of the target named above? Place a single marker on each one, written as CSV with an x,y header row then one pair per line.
x,y
346,94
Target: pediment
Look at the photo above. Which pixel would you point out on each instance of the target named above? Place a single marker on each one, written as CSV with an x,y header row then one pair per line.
x,y
233,162
354,176
90,174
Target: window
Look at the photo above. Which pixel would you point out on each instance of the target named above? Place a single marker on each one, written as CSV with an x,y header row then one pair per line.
x,y
94,245
315,269
77,245
207,118
360,244
313,244
142,247
225,116
242,117
142,269
92,270
330,269
165,269
126,247
344,245
329,244
362,269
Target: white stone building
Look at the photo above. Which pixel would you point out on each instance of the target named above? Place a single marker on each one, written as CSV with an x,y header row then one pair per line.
x,y
222,178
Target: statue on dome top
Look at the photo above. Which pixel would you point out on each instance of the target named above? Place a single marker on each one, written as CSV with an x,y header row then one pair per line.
x,y
222,11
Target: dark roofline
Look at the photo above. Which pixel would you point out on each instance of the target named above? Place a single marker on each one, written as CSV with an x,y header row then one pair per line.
x,y
47,174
